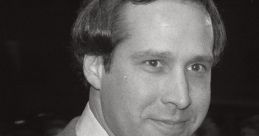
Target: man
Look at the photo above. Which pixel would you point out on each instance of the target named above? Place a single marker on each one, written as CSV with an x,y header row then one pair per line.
x,y
148,64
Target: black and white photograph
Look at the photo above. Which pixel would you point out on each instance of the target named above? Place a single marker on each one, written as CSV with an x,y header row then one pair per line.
x,y
129,68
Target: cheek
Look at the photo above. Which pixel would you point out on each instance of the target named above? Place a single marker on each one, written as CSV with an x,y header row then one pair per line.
x,y
113,92
139,91
200,86
124,99
128,92
201,102
200,97
200,93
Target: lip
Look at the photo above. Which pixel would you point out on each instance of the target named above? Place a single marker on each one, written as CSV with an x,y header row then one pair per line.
x,y
167,125
169,122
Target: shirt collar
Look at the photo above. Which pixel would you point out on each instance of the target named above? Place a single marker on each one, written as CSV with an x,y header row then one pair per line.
x,y
88,125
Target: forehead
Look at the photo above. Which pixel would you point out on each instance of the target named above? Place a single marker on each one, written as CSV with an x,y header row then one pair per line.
x,y
168,18
163,12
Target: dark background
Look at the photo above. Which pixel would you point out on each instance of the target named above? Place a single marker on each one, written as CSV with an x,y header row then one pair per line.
x,y
37,73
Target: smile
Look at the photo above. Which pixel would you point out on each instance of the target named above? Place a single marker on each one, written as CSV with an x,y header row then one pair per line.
x,y
169,126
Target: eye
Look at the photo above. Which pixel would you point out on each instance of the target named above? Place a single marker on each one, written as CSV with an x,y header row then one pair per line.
x,y
200,68
153,63
158,66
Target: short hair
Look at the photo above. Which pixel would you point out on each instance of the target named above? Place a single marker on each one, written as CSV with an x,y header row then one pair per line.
x,y
97,30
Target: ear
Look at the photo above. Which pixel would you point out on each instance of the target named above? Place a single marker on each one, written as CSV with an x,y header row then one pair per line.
x,y
93,70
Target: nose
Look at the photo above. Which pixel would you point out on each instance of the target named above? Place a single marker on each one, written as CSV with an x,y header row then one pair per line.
x,y
177,90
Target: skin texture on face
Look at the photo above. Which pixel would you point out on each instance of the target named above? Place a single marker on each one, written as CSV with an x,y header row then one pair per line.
x,y
159,81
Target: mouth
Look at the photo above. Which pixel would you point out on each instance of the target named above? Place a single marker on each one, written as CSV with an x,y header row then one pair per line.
x,y
170,126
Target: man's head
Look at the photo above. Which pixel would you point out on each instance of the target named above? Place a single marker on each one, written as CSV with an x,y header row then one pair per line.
x,y
149,63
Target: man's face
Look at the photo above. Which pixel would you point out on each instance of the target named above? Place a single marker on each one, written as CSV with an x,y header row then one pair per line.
x,y
159,81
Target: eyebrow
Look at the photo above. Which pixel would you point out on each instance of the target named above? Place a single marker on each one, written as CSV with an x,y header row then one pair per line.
x,y
151,53
203,58
166,55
